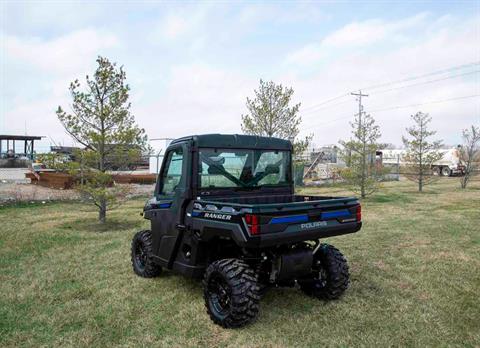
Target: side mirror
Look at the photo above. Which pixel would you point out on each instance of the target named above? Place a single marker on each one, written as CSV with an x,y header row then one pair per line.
x,y
216,170
272,169
218,160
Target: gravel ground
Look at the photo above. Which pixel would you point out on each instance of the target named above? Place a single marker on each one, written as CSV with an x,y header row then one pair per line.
x,y
13,174
23,192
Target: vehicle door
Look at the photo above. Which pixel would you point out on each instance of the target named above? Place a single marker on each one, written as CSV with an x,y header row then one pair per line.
x,y
170,191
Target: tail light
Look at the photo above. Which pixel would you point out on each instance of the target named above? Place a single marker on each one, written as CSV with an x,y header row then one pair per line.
x,y
252,223
359,212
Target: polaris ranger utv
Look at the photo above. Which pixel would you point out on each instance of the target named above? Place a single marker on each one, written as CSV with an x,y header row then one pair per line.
x,y
224,210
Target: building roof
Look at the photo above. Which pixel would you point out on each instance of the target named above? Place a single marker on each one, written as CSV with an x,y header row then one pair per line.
x,y
236,141
20,137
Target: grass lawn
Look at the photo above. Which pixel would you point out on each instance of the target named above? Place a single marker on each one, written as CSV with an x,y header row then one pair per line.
x,y
415,281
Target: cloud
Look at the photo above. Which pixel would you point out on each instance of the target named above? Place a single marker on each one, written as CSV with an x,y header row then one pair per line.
x,y
37,75
67,53
175,26
354,35
198,99
185,23
426,46
191,67
371,31
300,12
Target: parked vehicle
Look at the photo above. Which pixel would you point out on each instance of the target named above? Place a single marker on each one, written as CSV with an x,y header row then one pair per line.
x,y
449,164
224,209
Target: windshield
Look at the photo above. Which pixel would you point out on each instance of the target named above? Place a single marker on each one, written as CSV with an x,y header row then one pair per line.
x,y
226,168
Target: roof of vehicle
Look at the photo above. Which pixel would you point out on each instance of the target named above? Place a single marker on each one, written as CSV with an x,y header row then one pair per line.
x,y
236,141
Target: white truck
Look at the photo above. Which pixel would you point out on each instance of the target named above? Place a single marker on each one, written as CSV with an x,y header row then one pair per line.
x,y
449,164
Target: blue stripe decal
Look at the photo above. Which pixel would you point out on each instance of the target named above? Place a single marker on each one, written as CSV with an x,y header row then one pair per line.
x,y
195,213
335,214
164,205
289,219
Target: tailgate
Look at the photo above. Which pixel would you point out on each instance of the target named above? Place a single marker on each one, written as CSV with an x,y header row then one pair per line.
x,y
307,216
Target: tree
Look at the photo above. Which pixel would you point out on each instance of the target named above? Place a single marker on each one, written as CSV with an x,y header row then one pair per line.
x,y
101,121
362,173
470,153
270,114
421,153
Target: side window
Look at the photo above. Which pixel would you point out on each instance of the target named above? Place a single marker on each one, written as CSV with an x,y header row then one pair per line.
x,y
172,175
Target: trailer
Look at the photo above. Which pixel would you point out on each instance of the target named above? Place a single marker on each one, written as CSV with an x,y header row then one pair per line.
x,y
450,163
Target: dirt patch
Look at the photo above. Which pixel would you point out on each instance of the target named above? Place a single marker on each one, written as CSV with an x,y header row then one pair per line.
x,y
21,192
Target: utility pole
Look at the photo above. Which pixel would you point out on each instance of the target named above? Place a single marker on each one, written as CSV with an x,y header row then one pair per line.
x,y
360,106
361,135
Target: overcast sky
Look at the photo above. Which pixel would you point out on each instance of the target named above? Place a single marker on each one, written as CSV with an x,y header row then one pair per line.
x,y
191,66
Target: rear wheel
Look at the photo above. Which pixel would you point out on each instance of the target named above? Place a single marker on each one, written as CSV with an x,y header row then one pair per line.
x,y
142,255
446,171
231,293
330,278
436,171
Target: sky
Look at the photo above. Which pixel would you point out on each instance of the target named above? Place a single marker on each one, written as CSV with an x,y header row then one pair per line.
x,y
191,65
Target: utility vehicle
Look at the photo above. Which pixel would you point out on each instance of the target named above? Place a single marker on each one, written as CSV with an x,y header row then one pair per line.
x,y
225,210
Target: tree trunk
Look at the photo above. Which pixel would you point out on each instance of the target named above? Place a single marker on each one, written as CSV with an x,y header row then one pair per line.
x,y
464,180
102,211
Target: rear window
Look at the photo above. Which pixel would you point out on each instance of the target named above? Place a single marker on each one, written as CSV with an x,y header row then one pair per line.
x,y
226,168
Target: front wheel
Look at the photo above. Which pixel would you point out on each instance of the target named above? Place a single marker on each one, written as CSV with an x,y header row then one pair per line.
x,y
231,293
330,276
142,255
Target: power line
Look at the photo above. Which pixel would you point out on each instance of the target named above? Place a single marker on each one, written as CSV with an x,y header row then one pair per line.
x,y
427,82
426,103
453,68
326,101
421,76
401,87
401,107
325,107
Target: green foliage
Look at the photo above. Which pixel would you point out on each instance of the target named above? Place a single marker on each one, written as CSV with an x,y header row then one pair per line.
x,y
421,152
362,172
270,114
59,162
101,121
97,187
470,153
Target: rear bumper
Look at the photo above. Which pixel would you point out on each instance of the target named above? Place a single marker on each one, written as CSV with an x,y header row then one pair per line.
x,y
457,171
294,236
293,233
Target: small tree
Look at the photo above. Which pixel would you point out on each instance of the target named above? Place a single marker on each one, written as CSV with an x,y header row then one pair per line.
x,y
470,153
421,153
362,173
101,121
270,114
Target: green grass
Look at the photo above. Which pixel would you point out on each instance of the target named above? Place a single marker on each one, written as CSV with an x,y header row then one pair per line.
x,y
415,281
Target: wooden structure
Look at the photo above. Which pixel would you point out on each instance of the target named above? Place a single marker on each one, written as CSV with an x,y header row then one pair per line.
x,y
55,180
7,151
64,181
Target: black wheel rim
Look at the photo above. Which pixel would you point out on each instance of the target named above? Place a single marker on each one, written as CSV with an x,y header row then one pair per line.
x,y
219,295
321,276
140,256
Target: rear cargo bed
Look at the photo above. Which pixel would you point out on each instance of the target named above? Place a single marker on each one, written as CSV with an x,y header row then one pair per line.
x,y
276,203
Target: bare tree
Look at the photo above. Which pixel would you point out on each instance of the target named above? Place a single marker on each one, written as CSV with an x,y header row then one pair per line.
x,y
421,152
358,153
470,153
270,114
